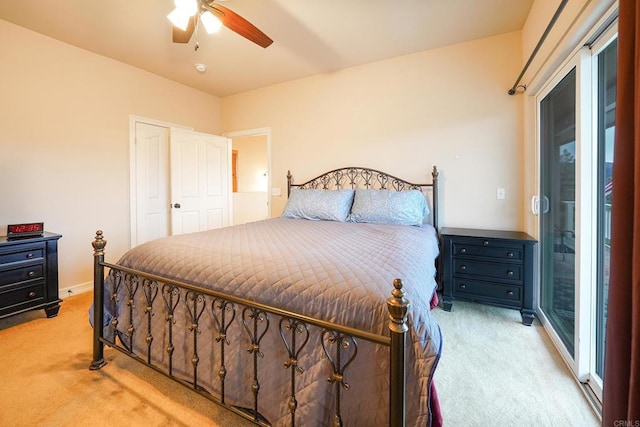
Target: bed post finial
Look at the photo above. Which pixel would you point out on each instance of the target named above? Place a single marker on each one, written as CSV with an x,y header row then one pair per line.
x,y
289,182
98,301
398,306
98,244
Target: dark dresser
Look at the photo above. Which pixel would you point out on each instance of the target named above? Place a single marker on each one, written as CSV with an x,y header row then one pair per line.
x,y
488,266
29,275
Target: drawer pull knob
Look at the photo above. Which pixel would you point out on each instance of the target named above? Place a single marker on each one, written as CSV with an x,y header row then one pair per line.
x,y
485,243
510,273
31,273
510,255
30,255
463,250
32,294
510,293
463,267
463,286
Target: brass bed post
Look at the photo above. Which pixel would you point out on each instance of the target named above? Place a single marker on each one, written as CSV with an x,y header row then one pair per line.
x,y
397,306
98,301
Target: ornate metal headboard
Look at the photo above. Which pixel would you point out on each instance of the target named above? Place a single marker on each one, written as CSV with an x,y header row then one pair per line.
x,y
357,177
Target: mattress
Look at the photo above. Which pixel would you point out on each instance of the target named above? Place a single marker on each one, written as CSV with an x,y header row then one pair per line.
x,y
335,271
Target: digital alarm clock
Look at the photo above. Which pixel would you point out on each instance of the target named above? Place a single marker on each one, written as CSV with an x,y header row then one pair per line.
x,y
31,229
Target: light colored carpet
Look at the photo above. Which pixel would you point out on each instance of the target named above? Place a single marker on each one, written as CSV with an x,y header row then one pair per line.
x,y
45,380
494,371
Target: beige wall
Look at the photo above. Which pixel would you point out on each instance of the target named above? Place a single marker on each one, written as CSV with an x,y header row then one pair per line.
x,y
447,107
67,111
64,132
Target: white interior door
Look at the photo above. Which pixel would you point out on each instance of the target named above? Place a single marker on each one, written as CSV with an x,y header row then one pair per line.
x,y
152,182
200,183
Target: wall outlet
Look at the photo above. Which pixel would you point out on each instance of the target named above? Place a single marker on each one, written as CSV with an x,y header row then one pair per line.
x,y
500,194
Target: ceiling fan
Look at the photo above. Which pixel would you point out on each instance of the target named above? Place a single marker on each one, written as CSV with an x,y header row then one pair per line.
x,y
212,16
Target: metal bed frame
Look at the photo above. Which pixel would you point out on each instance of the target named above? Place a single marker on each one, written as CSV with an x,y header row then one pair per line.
x,y
340,343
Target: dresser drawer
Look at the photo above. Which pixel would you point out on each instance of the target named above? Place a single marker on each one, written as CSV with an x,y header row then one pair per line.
x,y
511,253
488,291
23,253
22,296
494,270
28,272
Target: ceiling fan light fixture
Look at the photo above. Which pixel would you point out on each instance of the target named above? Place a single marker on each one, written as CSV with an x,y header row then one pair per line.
x,y
188,14
210,22
179,19
187,7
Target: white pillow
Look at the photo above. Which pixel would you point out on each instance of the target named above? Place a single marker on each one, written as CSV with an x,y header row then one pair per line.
x,y
389,207
328,205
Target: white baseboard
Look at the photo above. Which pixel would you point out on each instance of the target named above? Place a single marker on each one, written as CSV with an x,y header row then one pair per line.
x,y
75,289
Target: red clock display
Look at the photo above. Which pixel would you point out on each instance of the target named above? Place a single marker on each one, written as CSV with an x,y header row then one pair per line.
x,y
25,230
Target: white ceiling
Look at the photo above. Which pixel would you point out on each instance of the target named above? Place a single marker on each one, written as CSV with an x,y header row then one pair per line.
x,y
310,36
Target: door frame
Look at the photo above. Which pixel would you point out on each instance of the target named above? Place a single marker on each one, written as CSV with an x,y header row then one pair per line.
x,y
584,59
597,47
579,362
266,131
133,167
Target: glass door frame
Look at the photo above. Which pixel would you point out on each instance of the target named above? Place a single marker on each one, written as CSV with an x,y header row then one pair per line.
x,y
603,41
581,61
584,60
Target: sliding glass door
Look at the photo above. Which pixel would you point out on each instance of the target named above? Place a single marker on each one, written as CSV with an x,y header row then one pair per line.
x,y
558,208
576,124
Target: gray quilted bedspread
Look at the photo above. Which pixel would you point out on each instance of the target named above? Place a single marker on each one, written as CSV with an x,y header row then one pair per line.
x,y
339,272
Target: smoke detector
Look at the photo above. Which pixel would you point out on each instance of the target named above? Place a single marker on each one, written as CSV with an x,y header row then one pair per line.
x,y
201,68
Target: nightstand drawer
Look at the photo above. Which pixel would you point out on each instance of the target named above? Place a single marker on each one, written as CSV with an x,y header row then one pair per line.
x,y
29,272
513,253
25,253
22,296
487,269
494,292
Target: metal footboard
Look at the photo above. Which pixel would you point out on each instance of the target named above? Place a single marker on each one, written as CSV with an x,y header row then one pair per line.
x,y
339,343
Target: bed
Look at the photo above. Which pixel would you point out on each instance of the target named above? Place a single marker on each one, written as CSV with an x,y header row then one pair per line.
x,y
321,316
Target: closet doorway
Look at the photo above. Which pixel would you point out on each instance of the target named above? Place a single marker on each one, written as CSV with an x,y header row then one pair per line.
x,y
179,182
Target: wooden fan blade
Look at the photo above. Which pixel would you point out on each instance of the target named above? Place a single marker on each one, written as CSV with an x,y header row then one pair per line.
x,y
180,36
237,23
